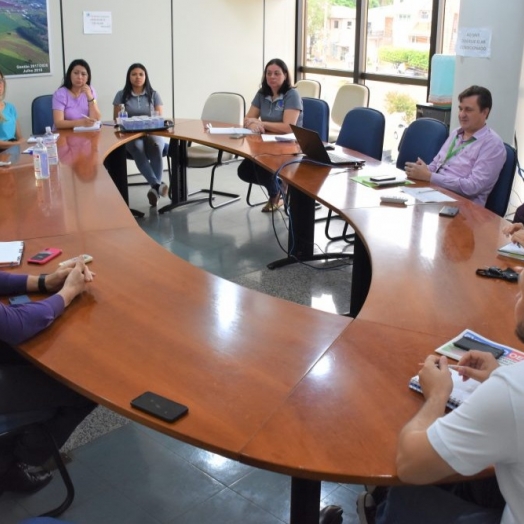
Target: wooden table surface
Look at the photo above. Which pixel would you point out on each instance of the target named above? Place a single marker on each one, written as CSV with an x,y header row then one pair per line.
x,y
322,397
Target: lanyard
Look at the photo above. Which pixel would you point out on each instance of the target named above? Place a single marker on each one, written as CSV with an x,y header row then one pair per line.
x,y
452,151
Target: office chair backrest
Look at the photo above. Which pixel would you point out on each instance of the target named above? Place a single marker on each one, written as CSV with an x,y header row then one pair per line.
x,y
41,114
422,139
316,116
363,131
225,107
308,88
348,97
498,199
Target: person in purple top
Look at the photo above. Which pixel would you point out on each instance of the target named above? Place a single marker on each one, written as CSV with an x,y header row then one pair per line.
x,y
470,161
74,102
25,388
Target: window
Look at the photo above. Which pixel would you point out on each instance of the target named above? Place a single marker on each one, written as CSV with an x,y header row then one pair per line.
x,y
391,58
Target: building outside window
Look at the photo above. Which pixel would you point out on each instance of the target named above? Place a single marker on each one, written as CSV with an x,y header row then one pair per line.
x,y
394,45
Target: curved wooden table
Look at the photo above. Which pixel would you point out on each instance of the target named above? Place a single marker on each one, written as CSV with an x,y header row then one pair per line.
x,y
322,399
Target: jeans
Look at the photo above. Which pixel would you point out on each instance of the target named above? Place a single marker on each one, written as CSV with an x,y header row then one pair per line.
x,y
147,154
250,172
476,502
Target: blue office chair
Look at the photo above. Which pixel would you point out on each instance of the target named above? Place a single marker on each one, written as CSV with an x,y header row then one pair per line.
x,y
16,423
41,114
498,199
362,130
316,118
422,139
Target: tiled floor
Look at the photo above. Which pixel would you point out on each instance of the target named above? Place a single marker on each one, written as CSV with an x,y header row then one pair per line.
x,y
134,475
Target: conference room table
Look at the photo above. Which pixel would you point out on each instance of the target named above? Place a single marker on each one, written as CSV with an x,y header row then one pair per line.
x,y
323,397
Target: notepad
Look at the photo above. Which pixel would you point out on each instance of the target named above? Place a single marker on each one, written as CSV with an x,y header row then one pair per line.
x,y
94,127
228,130
11,253
461,390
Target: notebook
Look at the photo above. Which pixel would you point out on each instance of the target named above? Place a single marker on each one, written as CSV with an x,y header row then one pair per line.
x,y
461,390
11,253
313,147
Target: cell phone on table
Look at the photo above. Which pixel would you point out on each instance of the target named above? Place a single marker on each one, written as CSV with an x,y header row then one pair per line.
x,y
43,257
448,211
382,178
467,343
159,406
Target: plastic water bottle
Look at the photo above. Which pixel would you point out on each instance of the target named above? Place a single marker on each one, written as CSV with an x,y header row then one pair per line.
x,y
40,160
50,144
122,115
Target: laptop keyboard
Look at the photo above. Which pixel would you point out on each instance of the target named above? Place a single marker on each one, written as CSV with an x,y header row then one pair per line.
x,y
341,158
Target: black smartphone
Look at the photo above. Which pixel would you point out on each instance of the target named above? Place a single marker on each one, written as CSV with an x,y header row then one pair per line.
x,y
448,211
159,406
467,343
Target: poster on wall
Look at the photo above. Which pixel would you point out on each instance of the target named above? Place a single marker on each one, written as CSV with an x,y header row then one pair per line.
x,y
24,37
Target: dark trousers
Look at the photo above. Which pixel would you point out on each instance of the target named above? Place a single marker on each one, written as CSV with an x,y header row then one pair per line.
x,y
250,172
24,388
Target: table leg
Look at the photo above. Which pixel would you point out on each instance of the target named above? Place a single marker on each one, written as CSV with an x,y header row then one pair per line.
x,y
361,279
301,237
305,501
178,176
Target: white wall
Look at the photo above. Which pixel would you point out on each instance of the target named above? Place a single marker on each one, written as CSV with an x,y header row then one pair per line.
x,y
218,45
501,72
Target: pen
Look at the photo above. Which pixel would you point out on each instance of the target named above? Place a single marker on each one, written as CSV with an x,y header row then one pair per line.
x,y
450,366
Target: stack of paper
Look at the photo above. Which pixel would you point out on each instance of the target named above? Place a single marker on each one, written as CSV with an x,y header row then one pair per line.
x,y
33,138
11,253
94,127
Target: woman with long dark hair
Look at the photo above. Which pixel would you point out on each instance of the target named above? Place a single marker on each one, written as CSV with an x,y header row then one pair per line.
x,y
276,105
140,99
74,102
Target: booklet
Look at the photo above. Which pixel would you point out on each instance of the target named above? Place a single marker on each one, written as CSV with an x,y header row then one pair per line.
x,y
11,253
510,356
461,390
33,138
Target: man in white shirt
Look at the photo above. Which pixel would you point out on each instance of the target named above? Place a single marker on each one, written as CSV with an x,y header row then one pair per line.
x,y
486,430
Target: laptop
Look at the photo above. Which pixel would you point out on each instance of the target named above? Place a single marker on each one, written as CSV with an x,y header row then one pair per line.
x,y
313,147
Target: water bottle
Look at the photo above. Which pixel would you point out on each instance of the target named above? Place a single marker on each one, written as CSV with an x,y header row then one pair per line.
x,y
122,115
50,144
40,160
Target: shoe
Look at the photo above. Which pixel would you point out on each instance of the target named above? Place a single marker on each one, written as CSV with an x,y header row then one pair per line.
x,y
366,508
22,478
163,189
330,515
153,196
271,207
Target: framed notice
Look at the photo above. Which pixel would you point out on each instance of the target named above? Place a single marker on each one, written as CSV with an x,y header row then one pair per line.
x,y
24,38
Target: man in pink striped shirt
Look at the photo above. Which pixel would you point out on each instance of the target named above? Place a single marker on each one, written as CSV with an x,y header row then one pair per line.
x,y
470,161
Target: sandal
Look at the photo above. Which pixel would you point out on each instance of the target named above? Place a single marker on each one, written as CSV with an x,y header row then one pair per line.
x,y
271,207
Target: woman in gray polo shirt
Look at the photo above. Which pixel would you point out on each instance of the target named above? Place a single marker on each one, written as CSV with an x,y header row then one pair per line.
x,y
140,99
275,106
